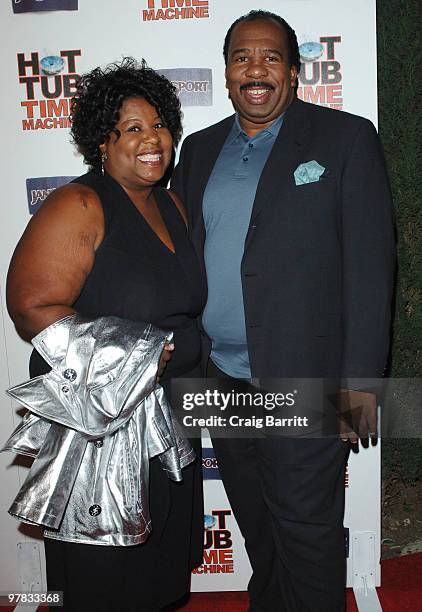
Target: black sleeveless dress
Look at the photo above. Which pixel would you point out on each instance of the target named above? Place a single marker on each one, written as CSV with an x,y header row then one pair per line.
x,y
135,276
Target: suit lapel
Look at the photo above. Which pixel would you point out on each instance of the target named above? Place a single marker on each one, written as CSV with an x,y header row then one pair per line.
x,y
205,157
208,154
284,158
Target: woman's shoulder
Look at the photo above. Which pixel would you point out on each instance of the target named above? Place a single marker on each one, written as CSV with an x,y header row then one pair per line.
x,y
75,195
73,206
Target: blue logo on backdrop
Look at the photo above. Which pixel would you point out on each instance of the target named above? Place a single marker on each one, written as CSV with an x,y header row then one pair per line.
x,y
37,189
32,6
194,85
209,465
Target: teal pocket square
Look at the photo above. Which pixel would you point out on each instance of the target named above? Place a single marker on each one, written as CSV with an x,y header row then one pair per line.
x,y
310,172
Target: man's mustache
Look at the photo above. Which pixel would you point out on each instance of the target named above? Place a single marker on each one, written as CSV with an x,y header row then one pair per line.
x,y
260,84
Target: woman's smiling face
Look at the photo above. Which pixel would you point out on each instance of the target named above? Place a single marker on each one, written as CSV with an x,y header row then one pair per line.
x,y
140,147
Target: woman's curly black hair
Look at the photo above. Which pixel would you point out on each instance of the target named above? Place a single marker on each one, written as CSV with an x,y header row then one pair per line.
x,y
100,95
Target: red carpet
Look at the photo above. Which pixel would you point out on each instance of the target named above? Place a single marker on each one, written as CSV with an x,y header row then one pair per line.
x,y
401,591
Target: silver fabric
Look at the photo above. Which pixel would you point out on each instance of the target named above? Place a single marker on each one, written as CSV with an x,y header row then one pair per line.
x,y
95,421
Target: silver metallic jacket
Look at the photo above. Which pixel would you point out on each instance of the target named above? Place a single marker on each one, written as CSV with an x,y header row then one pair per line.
x,y
94,422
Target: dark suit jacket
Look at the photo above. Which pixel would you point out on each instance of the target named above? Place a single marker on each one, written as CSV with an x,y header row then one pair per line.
x,y
317,270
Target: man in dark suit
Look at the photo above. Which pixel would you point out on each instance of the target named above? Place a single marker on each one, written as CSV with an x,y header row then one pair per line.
x,y
290,212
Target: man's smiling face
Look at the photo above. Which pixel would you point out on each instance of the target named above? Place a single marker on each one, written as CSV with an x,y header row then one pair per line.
x,y
258,76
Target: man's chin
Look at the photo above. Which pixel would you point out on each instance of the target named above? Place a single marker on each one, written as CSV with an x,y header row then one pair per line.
x,y
258,115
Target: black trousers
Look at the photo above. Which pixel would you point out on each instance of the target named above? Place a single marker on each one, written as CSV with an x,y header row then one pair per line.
x,y
288,498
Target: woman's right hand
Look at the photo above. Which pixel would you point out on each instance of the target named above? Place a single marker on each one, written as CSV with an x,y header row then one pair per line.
x,y
53,258
164,358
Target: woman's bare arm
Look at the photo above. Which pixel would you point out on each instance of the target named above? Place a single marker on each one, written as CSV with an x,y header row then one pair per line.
x,y
53,258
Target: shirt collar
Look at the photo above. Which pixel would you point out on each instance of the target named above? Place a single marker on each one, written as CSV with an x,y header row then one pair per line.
x,y
237,130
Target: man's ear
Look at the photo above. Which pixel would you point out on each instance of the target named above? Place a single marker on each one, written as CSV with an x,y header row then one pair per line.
x,y
225,76
293,76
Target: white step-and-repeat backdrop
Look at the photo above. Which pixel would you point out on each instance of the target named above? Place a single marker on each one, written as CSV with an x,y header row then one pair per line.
x,y
45,44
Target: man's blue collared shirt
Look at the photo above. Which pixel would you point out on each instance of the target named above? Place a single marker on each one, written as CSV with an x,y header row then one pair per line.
x,y
227,207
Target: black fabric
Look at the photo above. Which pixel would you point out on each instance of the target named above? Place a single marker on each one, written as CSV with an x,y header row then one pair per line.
x,y
135,276
318,267
288,498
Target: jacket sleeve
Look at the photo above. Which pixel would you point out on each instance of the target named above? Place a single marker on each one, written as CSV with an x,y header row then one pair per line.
x,y
368,257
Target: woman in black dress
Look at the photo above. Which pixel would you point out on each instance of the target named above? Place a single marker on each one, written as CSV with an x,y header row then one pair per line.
x,y
113,243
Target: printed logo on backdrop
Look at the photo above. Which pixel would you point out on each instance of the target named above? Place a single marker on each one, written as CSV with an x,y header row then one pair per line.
x,y
218,544
210,469
37,189
32,6
48,83
320,78
194,85
175,9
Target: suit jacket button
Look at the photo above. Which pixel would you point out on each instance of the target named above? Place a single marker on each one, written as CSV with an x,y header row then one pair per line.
x,y
95,510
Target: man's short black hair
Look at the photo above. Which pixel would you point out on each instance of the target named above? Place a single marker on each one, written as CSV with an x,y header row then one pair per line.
x,y
293,47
